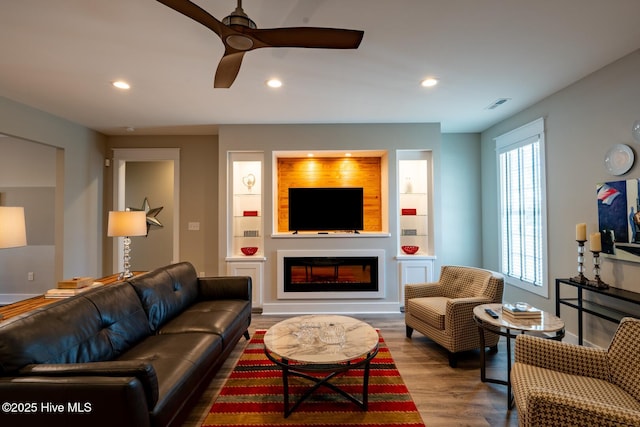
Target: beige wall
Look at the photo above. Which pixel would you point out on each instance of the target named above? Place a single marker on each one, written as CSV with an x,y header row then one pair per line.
x,y
198,195
153,182
581,123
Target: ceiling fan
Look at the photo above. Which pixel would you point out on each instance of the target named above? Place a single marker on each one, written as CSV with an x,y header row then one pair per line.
x,y
239,34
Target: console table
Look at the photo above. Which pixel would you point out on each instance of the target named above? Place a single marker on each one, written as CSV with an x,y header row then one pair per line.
x,y
598,309
33,303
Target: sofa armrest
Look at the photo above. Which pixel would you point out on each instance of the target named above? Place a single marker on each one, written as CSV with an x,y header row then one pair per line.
x,y
141,370
550,407
73,401
562,357
225,287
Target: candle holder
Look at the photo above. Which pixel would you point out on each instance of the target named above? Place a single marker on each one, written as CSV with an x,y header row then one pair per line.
x,y
580,278
597,282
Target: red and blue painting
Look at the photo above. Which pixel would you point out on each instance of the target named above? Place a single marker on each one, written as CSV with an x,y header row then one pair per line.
x,y
619,218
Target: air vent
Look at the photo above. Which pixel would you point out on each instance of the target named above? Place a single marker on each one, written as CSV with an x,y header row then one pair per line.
x,y
497,103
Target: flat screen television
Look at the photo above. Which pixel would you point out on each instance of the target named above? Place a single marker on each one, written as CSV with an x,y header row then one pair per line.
x,y
326,209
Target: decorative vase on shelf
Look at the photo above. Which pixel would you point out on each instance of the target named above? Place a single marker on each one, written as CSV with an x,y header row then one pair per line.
x,y
249,181
408,185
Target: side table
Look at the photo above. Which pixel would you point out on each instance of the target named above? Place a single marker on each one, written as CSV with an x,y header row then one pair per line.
x,y
548,326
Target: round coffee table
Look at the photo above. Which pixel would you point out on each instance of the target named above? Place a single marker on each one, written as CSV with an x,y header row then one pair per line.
x,y
321,344
548,326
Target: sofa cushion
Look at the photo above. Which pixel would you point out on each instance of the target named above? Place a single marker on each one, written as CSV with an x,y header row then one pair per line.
x,y
166,292
227,318
180,361
96,326
431,310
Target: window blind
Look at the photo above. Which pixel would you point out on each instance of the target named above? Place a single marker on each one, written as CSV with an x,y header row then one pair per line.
x,y
522,206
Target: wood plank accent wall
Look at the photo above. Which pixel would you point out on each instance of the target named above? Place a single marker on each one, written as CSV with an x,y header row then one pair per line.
x,y
362,172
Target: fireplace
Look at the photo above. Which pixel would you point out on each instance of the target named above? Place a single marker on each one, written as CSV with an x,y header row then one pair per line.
x,y
328,274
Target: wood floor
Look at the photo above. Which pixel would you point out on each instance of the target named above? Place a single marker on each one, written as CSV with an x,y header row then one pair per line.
x,y
444,396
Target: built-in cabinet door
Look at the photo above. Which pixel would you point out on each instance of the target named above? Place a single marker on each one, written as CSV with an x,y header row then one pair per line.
x,y
415,271
255,270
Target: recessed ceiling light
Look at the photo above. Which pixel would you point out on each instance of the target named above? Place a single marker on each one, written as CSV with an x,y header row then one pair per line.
x,y
429,82
120,84
275,83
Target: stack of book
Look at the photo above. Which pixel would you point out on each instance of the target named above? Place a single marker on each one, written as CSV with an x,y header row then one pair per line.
x,y
71,287
520,311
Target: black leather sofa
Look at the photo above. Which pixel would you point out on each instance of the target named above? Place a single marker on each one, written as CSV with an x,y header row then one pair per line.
x,y
136,353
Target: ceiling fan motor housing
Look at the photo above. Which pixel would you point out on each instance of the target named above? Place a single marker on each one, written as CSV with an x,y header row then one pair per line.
x,y
238,17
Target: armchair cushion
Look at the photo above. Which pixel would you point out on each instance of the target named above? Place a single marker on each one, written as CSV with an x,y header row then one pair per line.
x,y
624,357
462,282
548,397
557,383
430,310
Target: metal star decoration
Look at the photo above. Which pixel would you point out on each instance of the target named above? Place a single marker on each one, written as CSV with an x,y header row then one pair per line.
x,y
151,213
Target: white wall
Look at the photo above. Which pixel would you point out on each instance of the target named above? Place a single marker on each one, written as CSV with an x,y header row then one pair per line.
x,y
79,225
582,122
270,138
461,200
28,179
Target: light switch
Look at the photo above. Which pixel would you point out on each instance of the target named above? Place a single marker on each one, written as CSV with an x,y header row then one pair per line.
x,y
194,226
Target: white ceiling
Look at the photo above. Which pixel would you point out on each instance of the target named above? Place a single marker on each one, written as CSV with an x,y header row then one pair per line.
x,y
60,57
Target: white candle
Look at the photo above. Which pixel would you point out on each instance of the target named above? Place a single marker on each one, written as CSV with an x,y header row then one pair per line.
x,y
581,232
595,244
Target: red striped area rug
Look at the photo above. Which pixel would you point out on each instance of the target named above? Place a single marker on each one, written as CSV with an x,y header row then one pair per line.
x,y
253,396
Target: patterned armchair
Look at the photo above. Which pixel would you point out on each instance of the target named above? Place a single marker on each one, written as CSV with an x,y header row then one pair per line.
x,y
443,310
561,384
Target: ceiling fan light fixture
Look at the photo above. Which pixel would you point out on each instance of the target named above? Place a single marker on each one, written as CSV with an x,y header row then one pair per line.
x,y
239,42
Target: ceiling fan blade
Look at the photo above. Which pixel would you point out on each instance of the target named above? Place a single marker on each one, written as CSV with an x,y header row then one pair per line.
x,y
196,13
228,69
309,37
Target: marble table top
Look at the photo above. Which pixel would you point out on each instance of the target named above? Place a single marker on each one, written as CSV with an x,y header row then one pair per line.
x,y
547,322
321,339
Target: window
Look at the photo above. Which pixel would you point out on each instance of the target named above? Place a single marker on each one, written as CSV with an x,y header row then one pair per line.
x,y
521,177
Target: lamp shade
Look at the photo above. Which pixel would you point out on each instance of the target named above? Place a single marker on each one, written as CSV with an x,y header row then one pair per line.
x,y
127,223
13,232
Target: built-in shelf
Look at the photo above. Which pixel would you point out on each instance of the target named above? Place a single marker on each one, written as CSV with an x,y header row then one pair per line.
x,y
414,193
245,216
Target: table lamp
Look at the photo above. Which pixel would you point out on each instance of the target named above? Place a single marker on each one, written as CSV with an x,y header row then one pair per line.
x,y
13,232
126,224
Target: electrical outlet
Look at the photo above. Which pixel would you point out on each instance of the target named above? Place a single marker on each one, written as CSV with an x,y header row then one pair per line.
x,y
30,276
